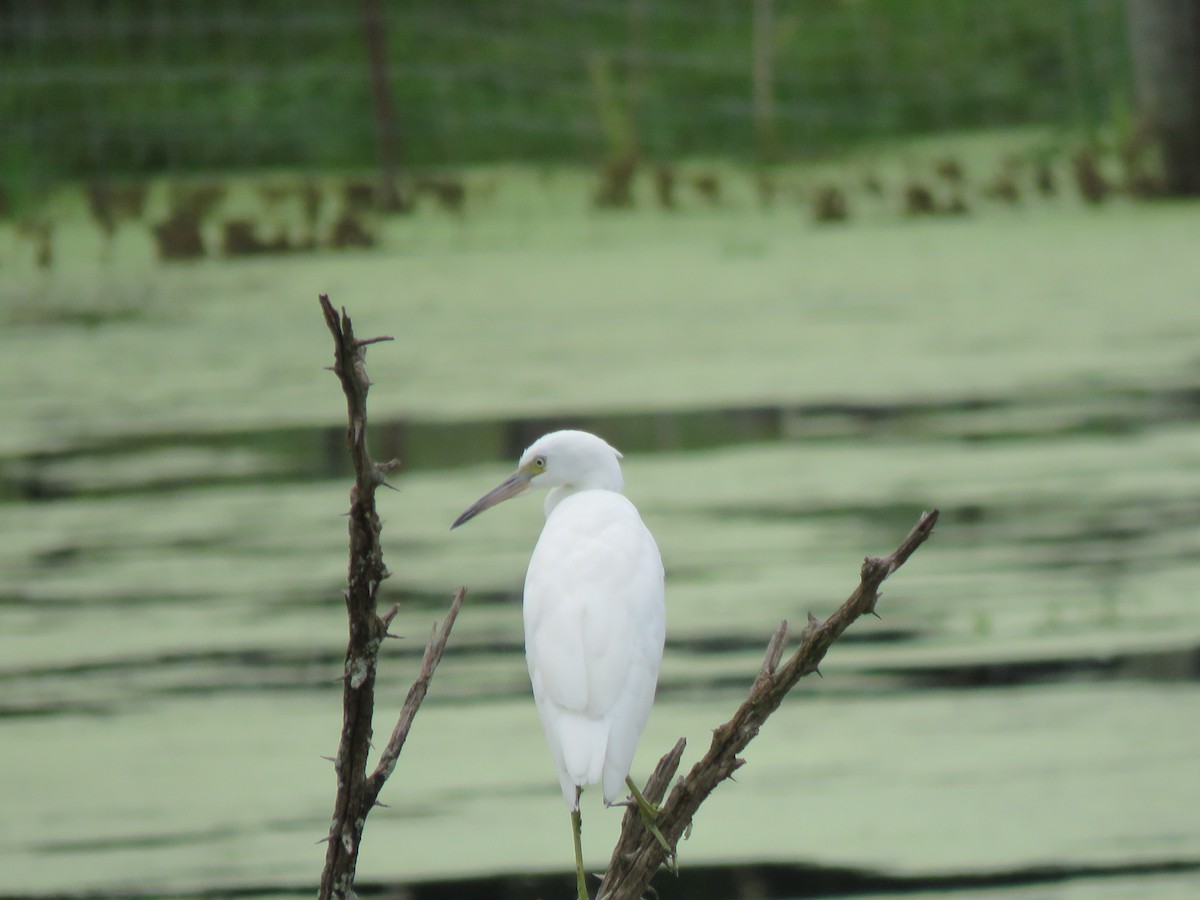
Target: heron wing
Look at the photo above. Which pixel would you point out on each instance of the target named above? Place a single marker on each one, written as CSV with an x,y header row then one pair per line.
x,y
594,627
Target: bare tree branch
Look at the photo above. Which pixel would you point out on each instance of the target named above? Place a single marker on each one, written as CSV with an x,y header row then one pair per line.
x,y
356,793
638,855
416,694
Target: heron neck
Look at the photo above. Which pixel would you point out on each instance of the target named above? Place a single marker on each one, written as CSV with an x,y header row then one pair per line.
x,y
557,494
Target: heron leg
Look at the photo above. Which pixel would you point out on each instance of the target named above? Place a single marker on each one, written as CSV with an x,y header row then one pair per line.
x,y
577,833
649,813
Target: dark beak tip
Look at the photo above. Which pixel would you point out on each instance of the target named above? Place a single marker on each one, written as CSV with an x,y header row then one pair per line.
x,y
464,518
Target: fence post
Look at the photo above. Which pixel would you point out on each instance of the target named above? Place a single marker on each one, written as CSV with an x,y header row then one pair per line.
x,y
764,89
386,130
1165,40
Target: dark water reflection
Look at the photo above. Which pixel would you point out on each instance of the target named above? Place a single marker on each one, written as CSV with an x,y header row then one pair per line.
x,y
752,881
295,455
298,453
207,672
745,882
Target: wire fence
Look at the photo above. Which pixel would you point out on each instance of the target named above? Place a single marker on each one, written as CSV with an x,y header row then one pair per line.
x,y
149,86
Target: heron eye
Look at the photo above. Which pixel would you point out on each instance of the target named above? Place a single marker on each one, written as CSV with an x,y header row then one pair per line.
x,y
539,462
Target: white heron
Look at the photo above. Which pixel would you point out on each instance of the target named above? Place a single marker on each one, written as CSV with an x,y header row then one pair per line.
x,y
594,617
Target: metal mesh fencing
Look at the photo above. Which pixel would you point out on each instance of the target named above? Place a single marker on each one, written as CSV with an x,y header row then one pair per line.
x,y
146,86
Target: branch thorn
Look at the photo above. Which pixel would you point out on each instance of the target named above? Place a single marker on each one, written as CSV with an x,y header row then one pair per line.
x,y
363,342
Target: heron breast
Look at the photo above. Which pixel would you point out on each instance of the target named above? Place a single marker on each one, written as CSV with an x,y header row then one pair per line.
x,y
593,605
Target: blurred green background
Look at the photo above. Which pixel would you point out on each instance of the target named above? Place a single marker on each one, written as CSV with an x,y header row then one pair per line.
x,y
138,85
814,266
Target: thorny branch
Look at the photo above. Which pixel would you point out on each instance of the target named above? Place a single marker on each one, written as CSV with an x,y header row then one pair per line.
x,y
356,792
638,855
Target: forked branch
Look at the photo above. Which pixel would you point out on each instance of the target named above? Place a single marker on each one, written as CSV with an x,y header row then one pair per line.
x,y
356,792
638,855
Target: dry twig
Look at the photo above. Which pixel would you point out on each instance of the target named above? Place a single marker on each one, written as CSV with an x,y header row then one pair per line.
x,y
356,792
638,855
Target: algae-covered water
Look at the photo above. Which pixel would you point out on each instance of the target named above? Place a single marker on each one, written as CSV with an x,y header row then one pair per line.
x,y
789,399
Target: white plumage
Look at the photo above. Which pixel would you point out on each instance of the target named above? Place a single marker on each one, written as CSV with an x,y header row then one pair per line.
x,y
594,613
594,628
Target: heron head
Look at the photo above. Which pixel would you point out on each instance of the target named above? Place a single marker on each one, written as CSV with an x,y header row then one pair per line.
x,y
575,460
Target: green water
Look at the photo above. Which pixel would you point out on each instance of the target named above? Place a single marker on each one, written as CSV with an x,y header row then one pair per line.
x,y
789,399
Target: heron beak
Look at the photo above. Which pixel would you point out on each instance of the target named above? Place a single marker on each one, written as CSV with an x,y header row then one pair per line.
x,y
517,483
